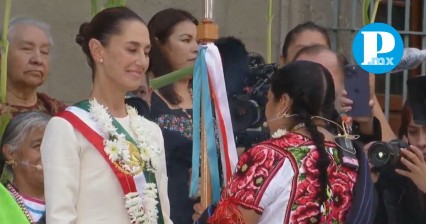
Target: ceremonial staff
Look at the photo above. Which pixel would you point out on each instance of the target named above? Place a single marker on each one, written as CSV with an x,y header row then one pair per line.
x,y
211,116
207,31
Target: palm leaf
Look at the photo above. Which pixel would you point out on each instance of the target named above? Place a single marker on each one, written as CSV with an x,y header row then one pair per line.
x,y
108,4
365,9
94,4
171,77
4,49
114,3
4,45
269,19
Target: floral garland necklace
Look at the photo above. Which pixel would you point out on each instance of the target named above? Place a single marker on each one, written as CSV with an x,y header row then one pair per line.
x,y
130,159
20,202
281,132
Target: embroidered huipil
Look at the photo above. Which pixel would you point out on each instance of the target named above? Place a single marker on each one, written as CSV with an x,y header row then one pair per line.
x,y
279,179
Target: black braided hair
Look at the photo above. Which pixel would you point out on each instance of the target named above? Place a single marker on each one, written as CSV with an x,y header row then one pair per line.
x,y
323,161
310,86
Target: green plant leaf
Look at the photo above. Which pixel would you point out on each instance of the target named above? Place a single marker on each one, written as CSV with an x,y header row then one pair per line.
x,y
108,4
365,16
4,50
365,9
114,3
94,4
269,19
4,120
171,77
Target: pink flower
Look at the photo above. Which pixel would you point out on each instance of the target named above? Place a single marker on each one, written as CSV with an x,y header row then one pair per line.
x,y
310,164
305,213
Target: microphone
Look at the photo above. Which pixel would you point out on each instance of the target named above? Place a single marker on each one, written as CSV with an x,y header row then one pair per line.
x,y
25,163
37,167
256,59
265,124
411,58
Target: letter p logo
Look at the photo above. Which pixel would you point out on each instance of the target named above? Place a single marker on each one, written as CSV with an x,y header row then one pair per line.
x,y
371,47
377,48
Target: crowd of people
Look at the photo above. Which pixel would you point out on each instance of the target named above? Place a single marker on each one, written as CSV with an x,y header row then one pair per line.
x,y
124,155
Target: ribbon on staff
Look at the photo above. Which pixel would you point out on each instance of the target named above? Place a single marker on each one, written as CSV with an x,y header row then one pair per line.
x,y
202,100
228,150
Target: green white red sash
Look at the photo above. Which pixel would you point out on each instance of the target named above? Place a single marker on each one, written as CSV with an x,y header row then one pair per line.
x,y
80,120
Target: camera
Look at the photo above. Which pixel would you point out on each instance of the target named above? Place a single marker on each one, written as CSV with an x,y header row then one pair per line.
x,y
247,78
386,155
247,107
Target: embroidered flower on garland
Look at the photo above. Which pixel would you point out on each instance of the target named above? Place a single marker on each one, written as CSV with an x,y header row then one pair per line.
x,y
131,159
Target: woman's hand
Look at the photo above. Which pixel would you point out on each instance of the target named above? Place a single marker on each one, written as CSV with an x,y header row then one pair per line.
x,y
344,105
414,160
197,212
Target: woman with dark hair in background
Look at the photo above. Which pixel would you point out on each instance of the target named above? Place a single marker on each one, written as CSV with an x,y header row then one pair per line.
x,y
103,162
173,37
368,128
297,175
21,170
303,35
306,35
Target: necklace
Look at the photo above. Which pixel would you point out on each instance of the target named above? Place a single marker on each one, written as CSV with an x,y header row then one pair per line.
x,y
20,202
186,113
298,126
184,110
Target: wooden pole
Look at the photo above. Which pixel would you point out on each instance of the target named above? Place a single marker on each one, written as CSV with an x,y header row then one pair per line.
x,y
207,31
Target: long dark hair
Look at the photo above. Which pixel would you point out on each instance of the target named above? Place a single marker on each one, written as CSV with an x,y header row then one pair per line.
x,y
292,34
311,88
160,28
105,24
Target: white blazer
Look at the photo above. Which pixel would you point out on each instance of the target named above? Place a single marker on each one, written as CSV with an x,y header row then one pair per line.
x,y
80,187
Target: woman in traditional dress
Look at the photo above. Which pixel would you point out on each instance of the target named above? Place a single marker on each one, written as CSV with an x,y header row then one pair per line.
x,y
297,176
103,162
21,171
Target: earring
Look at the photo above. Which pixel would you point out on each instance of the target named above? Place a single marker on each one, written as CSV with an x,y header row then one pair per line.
x,y
11,162
283,114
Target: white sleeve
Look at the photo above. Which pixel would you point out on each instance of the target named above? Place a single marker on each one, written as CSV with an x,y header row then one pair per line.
x,y
275,200
61,165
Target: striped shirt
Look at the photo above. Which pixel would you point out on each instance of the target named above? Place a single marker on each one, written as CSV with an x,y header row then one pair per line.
x,y
35,207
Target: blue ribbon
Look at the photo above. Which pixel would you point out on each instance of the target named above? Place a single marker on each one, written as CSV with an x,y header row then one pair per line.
x,y
201,94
